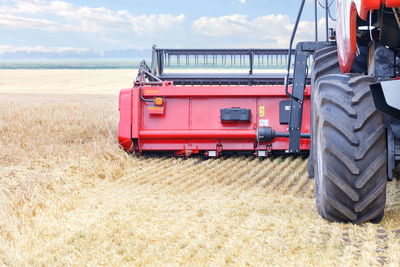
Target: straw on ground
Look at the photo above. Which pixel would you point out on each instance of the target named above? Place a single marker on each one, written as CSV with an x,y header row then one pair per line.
x,y
70,196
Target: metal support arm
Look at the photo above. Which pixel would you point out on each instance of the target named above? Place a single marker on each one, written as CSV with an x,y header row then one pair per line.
x,y
303,51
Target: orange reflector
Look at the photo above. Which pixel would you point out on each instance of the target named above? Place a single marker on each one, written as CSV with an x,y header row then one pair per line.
x,y
150,91
155,109
158,101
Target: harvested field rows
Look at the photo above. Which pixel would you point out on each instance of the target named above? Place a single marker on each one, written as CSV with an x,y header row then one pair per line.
x,y
70,196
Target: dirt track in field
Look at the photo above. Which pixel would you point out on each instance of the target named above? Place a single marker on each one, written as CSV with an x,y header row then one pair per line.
x,y
70,196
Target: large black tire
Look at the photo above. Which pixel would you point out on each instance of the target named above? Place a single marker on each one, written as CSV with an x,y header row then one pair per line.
x,y
350,157
326,62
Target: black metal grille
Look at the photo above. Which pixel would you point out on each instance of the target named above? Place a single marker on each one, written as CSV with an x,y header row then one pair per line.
x,y
221,66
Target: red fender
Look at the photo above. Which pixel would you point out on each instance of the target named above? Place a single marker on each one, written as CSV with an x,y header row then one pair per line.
x,y
125,119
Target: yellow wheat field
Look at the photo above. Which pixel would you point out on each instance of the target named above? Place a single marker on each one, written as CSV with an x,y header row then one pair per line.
x,y
69,196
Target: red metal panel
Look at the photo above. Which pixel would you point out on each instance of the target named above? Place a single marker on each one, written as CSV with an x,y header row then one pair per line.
x,y
199,144
136,112
346,33
232,145
213,91
364,6
191,120
392,3
125,119
176,115
205,112
198,134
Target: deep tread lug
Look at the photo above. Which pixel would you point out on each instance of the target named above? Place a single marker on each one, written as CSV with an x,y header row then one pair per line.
x,y
345,89
342,184
360,95
339,103
355,80
351,215
370,197
362,180
341,128
372,214
368,114
344,159
369,142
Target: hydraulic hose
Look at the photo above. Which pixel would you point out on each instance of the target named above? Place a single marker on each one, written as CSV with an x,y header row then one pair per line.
x,y
290,48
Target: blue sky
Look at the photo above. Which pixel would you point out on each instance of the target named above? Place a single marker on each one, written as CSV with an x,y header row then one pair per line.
x,y
44,25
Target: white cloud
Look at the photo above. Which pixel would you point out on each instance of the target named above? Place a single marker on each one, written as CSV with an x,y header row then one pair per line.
x,y
111,41
13,49
222,26
270,30
109,29
145,24
17,22
31,14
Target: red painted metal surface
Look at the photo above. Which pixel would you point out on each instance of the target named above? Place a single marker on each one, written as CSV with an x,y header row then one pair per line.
x,y
125,119
346,26
346,33
191,120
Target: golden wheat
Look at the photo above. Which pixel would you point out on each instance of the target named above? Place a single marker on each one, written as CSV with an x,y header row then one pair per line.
x,y
70,196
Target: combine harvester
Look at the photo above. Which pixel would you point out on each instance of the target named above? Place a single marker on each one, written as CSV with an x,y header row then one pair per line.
x,y
347,119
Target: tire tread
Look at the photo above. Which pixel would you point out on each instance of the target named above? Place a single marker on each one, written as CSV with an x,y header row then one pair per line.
x,y
353,150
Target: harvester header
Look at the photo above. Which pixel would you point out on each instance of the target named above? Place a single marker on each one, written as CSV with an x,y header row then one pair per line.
x,y
210,101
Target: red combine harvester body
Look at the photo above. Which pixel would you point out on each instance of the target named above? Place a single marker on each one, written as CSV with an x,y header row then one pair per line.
x,y
205,112
189,119
342,105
